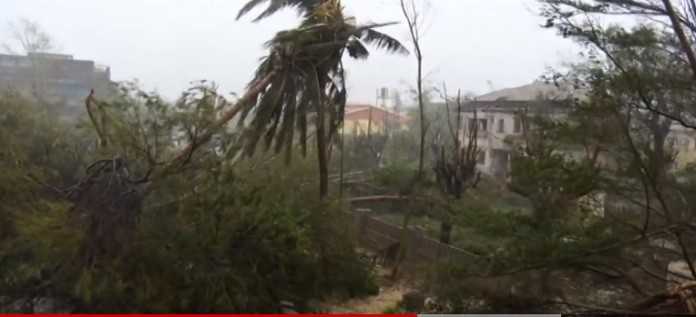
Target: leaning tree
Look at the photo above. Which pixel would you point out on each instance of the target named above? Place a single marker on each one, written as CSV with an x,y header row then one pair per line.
x,y
299,85
304,78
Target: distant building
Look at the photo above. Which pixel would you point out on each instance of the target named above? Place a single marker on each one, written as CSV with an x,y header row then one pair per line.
x,y
683,141
56,79
358,118
537,90
497,116
499,122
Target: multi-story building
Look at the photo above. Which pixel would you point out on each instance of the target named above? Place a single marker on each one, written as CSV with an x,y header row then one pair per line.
x,y
55,79
499,122
498,119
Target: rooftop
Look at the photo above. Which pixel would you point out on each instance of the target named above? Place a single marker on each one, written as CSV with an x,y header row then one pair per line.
x,y
356,108
537,96
51,56
534,91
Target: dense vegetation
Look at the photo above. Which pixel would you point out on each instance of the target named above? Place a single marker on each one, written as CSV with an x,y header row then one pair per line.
x,y
217,236
145,205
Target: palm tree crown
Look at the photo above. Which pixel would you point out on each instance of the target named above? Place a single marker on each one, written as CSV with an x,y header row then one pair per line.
x,y
308,76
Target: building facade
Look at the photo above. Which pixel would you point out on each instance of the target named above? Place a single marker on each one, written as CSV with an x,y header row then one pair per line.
x,y
683,141
358,119
498,117
498,123
55,79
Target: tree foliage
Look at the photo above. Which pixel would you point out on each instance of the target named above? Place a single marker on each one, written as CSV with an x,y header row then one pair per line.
x,y
308,77
217,236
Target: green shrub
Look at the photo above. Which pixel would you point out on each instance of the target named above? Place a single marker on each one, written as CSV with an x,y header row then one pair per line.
x,y
218,236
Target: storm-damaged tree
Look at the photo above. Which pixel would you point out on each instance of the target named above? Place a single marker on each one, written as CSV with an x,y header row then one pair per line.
x,y
543,171
646,74
301,80
582,21
455,159
415,23
680,19
554,174
304,78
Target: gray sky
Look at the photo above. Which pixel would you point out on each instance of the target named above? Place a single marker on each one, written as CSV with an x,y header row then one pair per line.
x,y
167,44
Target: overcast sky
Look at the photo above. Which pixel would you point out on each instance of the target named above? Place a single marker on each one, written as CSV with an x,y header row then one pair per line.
x,y
167,44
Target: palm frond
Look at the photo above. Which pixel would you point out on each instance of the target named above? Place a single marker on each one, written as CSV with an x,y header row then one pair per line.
x,y
265,112
287,130
380,40
277,113
356,49
248,7
303,108
308,76
303,7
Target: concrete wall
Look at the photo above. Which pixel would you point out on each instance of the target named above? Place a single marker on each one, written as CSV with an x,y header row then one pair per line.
x,y
377,235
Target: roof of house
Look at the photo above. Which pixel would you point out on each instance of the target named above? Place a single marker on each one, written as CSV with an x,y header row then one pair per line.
x,y
537,96
357,108
514,105
534,91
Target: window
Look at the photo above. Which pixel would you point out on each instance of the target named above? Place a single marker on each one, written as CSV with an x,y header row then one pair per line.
x,y
481,158
501,126
518,125
482,124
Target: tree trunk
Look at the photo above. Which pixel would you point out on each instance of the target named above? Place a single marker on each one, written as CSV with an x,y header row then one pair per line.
x,y
421,106
322,154
249,97
681,35
323,170
343,143
183,156
413,20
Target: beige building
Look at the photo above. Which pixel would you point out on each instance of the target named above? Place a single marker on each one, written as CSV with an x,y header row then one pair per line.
x,y
497,116
498,122
359,119
684,143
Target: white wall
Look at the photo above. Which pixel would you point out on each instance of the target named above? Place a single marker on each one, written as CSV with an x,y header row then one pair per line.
x,y
491,139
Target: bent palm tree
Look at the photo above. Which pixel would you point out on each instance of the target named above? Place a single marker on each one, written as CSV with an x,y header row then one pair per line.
x,y
307,77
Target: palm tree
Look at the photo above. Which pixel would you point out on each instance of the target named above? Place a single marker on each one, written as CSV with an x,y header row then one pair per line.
x,y
304,78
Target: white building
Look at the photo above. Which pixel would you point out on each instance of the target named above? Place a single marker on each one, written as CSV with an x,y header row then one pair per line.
x,y
498,117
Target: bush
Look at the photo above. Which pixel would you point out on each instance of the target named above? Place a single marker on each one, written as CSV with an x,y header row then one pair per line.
x,y
216,237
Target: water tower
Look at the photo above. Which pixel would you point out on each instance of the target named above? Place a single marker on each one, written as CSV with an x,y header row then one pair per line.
x,y
383,96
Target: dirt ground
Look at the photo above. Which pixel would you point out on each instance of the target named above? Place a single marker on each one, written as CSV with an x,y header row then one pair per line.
x,y
390,294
